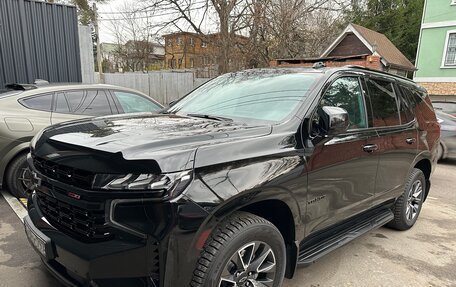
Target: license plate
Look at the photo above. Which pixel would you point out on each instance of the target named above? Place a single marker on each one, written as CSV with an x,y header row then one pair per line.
x,y
38,240
38,243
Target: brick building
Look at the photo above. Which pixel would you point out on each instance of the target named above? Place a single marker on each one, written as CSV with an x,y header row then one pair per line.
x,y
186,50
357,45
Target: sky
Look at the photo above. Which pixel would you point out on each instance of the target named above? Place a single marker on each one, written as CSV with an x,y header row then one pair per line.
x,y
114,6
108,11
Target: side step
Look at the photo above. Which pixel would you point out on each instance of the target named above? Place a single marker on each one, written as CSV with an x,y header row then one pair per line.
x,y
311,252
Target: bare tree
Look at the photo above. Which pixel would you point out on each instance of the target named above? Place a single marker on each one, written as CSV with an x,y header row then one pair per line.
x,y
275,28
134,40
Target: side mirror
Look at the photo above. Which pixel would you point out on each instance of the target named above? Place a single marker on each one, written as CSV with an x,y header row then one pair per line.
x,y
334,120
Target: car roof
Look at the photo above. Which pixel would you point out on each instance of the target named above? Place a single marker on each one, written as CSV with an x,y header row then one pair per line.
x,y
31,90
325,70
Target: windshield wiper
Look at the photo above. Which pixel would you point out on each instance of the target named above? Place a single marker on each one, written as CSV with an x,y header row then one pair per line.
x,y
210,117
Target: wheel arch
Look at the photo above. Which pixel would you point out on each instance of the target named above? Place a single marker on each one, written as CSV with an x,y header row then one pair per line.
x,y
9,158
279,213
426,167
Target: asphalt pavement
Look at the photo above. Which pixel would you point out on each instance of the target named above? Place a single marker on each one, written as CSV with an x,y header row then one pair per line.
x,y
422,256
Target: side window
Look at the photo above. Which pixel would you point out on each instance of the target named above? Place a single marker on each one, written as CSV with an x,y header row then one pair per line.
x,y
41,102
347,93
94,103
132,103
68,101
406,108
384,104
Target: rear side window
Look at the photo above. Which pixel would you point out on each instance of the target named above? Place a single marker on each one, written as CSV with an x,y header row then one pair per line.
x,y
95,103
384,104
89,103
346,93
132,103
406,105
68,101
41,102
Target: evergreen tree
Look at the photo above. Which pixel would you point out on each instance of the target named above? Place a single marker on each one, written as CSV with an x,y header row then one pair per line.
x,y
399,20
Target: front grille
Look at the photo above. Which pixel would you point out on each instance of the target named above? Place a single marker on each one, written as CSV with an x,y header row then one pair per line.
x,y
83,224
64,174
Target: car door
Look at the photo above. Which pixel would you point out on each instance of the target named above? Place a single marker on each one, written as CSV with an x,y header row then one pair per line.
x,y
396,145
341,173
77,104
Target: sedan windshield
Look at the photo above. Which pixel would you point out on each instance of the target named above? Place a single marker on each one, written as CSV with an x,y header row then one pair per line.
x,y
258,95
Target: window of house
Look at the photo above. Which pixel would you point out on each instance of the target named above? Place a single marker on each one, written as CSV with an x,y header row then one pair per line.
x,y
192,63
173,64
180,63
170,42
450,50
204,44
179,41
192,41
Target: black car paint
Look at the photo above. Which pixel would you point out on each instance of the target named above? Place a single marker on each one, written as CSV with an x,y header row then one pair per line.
x,y
236,167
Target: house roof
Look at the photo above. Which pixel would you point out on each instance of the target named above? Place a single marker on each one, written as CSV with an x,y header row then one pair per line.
x,y
377,43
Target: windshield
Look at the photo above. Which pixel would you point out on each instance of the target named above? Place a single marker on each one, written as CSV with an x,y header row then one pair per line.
x,y
261,95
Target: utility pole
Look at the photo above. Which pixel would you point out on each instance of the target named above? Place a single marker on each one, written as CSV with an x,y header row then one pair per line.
x,y
97,33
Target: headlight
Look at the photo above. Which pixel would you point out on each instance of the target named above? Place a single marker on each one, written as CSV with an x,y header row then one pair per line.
x,y
170,183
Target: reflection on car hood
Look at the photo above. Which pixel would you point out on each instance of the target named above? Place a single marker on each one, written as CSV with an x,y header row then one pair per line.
x,y
170,140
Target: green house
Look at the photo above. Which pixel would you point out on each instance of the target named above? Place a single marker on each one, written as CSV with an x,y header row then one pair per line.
x,y
436,57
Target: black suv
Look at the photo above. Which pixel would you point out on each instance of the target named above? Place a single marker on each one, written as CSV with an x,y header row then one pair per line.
x,y
235,184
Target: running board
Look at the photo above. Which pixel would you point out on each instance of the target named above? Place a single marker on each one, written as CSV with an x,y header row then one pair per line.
x,y
310,253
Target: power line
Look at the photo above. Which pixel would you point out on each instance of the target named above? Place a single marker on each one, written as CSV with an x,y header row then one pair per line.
x,y
148,16
145,10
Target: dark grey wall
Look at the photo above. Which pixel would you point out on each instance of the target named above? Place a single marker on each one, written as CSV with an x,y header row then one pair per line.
x,y
38,40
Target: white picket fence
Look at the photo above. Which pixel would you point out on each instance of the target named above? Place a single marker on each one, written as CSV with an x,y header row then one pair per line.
x,y
163,86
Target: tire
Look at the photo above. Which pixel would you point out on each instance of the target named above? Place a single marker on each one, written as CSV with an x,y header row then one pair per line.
x,y
408,206
18,176
241,235
440,152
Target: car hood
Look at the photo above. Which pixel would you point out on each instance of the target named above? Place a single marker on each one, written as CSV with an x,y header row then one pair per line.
x,y
169,140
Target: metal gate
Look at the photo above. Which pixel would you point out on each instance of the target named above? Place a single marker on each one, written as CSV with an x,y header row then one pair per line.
x,y
38,40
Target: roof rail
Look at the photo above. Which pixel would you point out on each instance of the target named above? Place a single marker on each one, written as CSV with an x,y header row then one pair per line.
x,y
40,82
24,87
377,71
318,65
20,87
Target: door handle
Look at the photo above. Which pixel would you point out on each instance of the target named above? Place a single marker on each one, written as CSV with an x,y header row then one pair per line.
x,y
370,148
410,140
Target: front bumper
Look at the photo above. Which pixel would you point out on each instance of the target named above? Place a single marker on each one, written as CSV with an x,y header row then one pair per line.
x,y
161,256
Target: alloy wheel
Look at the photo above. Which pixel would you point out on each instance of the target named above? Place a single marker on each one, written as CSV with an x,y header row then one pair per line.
x,y
253,265
25,179
414,200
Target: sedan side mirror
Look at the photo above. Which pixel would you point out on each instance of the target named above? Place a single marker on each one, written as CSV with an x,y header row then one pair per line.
x,y
334,120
